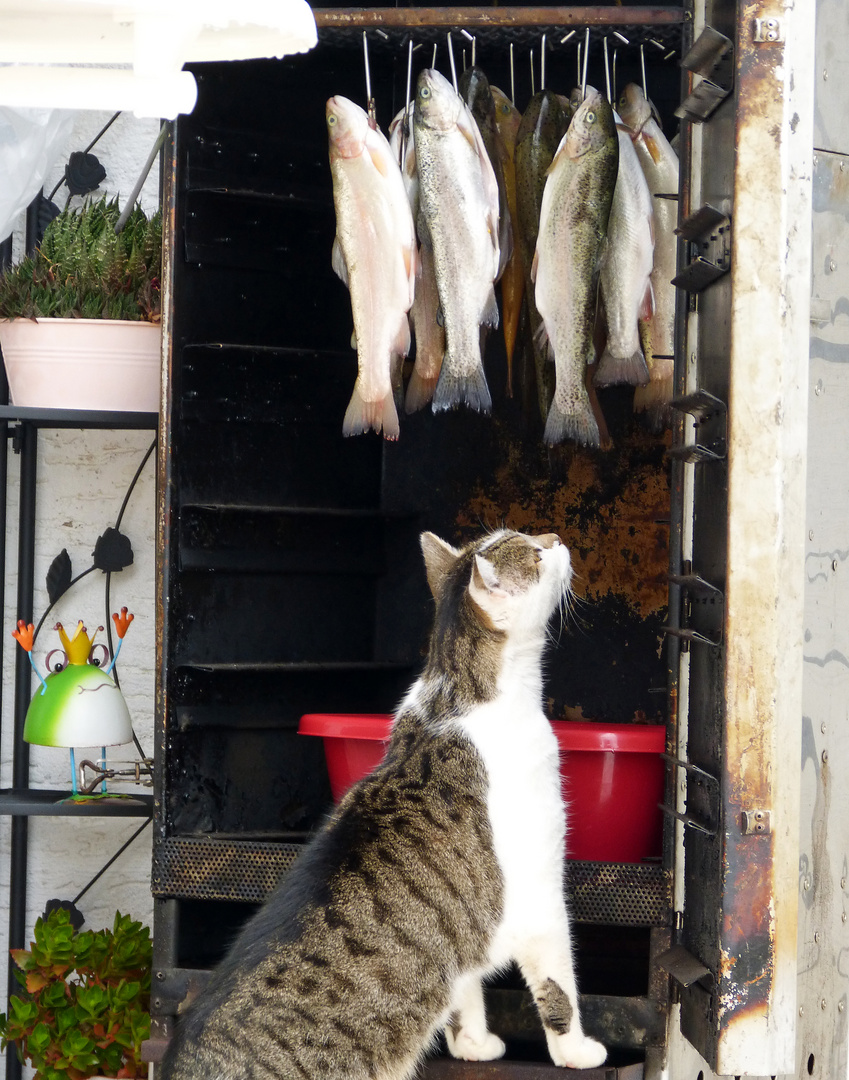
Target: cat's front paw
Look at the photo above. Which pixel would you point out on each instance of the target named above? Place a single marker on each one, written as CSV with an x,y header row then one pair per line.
x,y
575,1050
465,1047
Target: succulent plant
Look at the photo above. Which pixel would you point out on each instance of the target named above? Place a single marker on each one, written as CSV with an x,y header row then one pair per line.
x,y
83,269
84,1005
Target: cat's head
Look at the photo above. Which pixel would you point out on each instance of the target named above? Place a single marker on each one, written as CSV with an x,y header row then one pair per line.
x,y
508,581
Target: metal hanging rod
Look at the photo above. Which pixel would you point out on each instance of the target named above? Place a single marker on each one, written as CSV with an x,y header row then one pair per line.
x,y
496,17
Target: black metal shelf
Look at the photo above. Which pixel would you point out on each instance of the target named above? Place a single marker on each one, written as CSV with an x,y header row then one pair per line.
x,y
48,802
78,418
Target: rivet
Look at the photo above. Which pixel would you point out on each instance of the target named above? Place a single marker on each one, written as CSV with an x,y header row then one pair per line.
x,y
801,1010
823,1003
825,755
817,936
834,564
832,265
843,883
818,387
841,1005
692,358
806,884
843,916
823,727
825,74
842,166
810,534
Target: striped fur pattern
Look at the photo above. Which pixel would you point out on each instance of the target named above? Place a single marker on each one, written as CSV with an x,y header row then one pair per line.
x,y
441,867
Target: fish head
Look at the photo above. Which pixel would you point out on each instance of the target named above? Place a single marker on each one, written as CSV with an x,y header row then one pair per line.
x,y
592,126
544,120
507,116
438,105
347,127
634,107
475,90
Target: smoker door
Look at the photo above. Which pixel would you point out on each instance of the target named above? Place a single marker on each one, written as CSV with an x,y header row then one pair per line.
x,y
744,369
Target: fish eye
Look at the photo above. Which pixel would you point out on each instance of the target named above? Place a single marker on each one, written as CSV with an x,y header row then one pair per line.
x,y
331,120
590,117
424,92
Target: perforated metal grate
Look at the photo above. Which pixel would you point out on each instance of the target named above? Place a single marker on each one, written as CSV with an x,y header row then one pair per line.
x,y
199,868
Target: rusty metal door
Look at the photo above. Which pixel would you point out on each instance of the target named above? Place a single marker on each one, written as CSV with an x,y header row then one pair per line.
x,y
746,219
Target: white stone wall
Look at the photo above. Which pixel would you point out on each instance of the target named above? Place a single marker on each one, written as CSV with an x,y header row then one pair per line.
x,y
83,477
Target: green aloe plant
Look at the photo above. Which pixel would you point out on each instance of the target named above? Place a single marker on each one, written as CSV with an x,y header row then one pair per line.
x,y
83,269
84,1009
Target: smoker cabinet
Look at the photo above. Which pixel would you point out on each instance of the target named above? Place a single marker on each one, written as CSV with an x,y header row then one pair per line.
x,y
289,567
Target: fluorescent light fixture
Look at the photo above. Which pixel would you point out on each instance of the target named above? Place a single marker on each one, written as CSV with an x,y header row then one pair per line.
x,y
99,54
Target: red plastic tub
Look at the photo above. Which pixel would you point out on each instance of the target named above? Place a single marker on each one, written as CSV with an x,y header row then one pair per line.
x,y
612,778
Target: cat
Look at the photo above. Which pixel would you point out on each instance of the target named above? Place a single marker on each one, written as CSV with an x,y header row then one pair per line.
x,y
441,867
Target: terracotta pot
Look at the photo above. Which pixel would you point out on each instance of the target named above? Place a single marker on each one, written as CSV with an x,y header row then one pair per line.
x,y
104,364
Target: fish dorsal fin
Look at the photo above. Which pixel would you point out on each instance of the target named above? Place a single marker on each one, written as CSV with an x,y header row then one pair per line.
x,y
647,304
337,261
652,147
379,161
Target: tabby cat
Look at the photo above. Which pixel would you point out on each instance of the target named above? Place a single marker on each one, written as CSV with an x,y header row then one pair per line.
x,y
441,867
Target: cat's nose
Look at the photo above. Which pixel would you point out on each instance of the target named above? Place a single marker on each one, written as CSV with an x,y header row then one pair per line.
x,y
550,540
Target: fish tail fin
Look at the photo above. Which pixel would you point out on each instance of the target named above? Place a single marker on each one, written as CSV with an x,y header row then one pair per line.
x,y
577,422
362,415
622,369
419,391
453,390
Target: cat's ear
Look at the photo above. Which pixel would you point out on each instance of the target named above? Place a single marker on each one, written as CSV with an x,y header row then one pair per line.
x,y
485,589
439,557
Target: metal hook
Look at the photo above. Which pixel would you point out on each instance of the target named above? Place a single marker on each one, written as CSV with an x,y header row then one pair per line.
x,y
571,34
433,65
607,72
643,69
512,77
586,58
372,112
451,58
531,58
542,64
615,53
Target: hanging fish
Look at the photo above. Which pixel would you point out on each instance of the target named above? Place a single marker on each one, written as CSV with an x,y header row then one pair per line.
x,y
540,132
625,283
458,205
424,314
475,90
374,253
508,118
573,225
660,166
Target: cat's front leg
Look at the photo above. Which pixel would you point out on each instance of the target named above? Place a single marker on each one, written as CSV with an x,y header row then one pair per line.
x,y
550,977
466,1033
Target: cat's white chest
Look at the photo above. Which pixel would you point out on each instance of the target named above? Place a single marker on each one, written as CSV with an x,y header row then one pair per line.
x,y
525,805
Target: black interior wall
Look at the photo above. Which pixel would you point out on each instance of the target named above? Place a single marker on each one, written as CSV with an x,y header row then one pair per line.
x,y
295,579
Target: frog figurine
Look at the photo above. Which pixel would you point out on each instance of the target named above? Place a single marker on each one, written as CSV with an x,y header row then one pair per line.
x,y
78,704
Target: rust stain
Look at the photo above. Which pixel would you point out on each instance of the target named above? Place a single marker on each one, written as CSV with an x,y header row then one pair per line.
x,y
611,510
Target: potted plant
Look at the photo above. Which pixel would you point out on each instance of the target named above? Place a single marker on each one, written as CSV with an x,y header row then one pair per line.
x,y
90,294
84,1009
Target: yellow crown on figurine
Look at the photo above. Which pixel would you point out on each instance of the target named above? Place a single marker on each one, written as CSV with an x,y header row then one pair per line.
x,y
77,648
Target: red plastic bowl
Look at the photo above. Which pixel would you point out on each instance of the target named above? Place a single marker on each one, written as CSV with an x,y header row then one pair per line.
x,y
612,778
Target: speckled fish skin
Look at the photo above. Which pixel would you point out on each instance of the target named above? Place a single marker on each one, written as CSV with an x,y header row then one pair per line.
x,y
458,203
625,274
659,163
541,129
375,255
428,332
573,225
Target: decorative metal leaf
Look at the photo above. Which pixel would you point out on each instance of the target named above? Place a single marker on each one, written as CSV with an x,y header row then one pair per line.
x,y
59,576
113,551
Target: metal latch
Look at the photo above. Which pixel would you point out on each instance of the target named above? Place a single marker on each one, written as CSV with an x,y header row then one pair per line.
x,y
711,56
708,234
769,29
756,821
